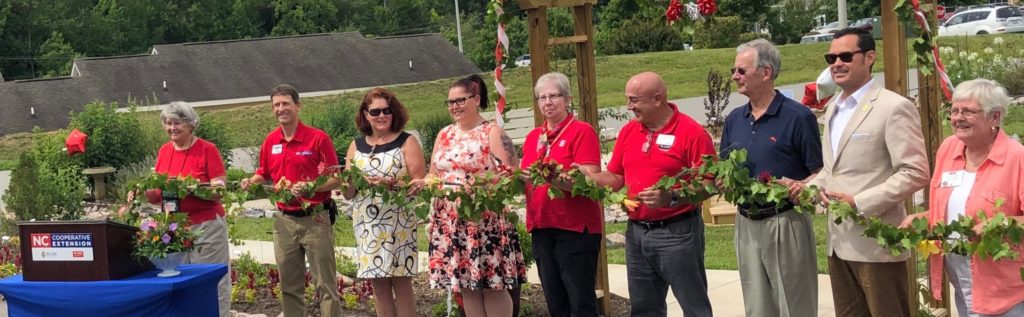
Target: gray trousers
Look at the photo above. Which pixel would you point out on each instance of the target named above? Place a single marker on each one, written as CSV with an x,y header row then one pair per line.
x,y
672,255
777,265
958,269
212,247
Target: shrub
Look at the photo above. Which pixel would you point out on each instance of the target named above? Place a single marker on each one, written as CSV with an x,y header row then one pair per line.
x,y
128,175
345,265
526,243
640,35
212,129
112,136
46,183
750,36
718,33
338,121
429,128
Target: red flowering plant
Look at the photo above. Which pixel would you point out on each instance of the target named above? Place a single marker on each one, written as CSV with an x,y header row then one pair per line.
x,y
162,234
690,13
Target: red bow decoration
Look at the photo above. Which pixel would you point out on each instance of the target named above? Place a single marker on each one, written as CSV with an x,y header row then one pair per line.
x,y
674,12
810,97
75,143
707,7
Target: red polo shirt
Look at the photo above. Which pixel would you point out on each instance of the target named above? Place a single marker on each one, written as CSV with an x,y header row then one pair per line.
x,y
575,143
296,160
201,161
679,144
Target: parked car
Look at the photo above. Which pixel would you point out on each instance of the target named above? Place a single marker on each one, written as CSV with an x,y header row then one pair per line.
x,y
523,61
872,24
827,28
984,20
813,38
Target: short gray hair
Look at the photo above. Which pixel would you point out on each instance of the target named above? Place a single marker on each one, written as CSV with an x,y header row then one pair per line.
x,y
181,111
561,81
767,55
989,94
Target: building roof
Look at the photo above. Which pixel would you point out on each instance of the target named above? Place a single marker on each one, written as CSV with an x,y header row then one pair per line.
x,y
209,71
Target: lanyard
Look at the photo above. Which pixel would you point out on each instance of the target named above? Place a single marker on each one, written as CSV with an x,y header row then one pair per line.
x,y
545,144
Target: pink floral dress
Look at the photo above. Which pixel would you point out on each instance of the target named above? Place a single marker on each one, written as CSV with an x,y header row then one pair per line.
x,y
475,255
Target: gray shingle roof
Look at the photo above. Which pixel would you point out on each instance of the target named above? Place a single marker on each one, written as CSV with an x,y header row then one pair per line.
x,y
232,69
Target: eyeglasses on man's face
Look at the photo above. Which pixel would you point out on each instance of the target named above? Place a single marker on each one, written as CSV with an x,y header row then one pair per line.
x,y
846,57
458,101
378,112
742,71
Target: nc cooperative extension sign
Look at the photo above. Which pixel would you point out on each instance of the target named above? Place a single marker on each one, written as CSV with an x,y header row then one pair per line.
x,y
61,247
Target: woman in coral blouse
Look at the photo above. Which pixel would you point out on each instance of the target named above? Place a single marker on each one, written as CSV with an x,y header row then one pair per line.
x,y
978,170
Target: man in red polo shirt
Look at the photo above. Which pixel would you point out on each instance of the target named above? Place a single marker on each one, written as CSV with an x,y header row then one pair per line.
x,y
665,237
298,153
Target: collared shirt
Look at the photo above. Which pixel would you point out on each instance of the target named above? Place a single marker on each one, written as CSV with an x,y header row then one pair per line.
x,y
844,111
679,144
997,285
783,142
576,143
202,162
297,160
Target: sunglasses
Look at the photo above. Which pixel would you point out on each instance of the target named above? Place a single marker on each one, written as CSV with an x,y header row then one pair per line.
x,y
846,57
741,71
458,101
378,112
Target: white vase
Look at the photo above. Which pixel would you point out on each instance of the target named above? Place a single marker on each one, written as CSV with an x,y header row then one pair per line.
x,y
168,264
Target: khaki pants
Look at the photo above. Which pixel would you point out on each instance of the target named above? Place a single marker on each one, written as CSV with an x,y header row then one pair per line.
x,y
867,289
777,265
212,247
297,239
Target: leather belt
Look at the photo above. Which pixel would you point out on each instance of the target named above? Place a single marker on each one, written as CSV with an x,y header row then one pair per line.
x,y
668,221
763,212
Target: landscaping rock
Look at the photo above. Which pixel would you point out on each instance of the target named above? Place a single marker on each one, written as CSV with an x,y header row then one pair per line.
x,y
615,240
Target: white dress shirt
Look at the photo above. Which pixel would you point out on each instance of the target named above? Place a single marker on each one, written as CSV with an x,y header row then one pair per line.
x,y
845,107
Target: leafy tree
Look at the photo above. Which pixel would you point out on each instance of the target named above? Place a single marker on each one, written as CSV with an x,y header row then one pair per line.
x,y
790,21
304,17
718,33
640,35
46,183
57,56
112,135
748,11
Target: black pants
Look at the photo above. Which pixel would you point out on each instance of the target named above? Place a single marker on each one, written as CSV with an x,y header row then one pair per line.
x,y
567,265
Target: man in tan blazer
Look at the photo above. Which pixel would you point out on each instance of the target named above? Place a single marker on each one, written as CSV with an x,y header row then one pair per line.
x,y
874,159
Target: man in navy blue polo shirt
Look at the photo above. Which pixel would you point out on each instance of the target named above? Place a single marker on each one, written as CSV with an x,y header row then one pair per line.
x,y
774,246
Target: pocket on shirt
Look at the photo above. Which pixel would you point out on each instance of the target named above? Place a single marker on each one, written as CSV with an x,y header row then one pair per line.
x,y
995,197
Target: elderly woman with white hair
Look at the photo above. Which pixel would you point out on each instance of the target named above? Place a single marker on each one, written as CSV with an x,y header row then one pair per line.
x,y
186,155
566,231
978,170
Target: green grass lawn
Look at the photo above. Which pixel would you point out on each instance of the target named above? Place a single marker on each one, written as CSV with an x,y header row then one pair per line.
x,y
720,252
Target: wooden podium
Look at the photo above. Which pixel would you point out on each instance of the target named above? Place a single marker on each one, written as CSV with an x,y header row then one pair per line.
x,y
78,251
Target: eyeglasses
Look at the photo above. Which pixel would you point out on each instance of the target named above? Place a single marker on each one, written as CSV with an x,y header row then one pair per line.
x,y
741,71
548,97
378,112
458,101
846,57
963,111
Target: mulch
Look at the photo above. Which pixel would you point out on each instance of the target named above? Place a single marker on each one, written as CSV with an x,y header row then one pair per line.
x,y
429,303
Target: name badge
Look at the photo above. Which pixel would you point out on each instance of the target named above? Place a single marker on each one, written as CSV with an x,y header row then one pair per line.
x,y
952,179
277,149
665,141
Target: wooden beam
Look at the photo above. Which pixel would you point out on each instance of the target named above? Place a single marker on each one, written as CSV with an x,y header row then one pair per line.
x,y
537,23
533,4
894,45
567,40
586,65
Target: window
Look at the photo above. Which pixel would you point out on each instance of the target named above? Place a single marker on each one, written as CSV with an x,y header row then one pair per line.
x,y
959,18
979,16
1007,12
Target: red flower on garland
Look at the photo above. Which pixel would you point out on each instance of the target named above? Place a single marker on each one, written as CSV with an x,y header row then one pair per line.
x,y
765,177
706,7
674,12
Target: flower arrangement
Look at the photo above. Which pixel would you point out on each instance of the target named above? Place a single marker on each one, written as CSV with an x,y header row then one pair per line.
x,y
163,234
695,11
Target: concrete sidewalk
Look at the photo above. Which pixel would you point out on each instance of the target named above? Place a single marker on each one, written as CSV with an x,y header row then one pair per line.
x,y
723,286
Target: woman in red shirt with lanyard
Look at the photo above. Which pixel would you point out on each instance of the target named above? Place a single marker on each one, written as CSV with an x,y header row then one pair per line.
x,y
186,155
566,231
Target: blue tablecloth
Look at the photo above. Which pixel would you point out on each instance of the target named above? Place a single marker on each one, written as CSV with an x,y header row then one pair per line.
x,y
193,293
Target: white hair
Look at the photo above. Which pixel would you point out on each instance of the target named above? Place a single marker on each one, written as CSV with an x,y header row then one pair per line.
x,y
989,94
180,111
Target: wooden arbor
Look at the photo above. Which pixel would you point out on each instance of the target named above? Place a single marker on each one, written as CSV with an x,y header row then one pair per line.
x,y
894,43
583,39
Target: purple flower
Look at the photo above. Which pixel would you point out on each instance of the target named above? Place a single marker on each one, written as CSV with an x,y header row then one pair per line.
x,y
166,238
173,226
146,225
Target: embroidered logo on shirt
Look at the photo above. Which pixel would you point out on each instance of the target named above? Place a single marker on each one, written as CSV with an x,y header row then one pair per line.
x,y
304,153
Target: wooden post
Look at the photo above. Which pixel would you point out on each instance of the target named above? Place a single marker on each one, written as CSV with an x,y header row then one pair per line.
x,y
585,64
537,22
929,100
894,55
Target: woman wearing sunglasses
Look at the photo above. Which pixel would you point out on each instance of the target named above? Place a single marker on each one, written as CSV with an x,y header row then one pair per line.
x,y
566,231
481,259
385,234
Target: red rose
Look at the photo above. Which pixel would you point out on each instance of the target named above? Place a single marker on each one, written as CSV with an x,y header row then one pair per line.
x,y
764,177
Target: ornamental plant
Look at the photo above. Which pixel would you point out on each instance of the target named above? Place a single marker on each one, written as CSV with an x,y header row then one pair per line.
x,y
163,234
